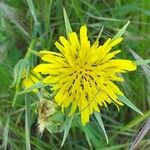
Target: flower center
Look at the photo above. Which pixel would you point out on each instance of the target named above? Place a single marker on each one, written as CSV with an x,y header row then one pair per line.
x,y
82,75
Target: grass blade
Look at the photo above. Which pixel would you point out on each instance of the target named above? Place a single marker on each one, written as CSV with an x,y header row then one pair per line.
x,y
67,23
32,9
67,126
142,62
121,31
14,16
100,122
132,123
6,131
32,88
140,135
128,103
27,122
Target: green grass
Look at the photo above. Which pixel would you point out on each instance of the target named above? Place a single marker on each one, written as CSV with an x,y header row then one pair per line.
x,y
37,24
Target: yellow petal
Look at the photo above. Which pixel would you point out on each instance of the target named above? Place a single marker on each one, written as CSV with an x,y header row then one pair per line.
x,y
84,109
27,83
85,113
73,38
55,60
46,68
73,108
83,35
64,42
60,47
115,42
110,55
124,64
44,52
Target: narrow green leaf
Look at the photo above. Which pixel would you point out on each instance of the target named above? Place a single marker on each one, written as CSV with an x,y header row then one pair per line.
x,y
18,70
30,89
67,126
67,23
27,122
37,24
128,103
6,131
100,33
115,147
121,31
100,122
88,140
140,135
22,66
32,9
93,135
132,123
34,52
142,62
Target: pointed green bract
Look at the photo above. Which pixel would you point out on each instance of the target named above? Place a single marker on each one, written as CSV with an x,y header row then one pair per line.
x,y
121,31
21,67
32,88
100,122
129,104
67,23
67,125
142,62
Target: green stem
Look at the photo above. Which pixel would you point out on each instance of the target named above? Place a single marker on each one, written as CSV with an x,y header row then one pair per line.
x,y
28,53
27,122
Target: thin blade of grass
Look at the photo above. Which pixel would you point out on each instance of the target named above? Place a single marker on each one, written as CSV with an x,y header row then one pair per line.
x,y
14,16
22,65
30,89
88,140
67,126
5,135
128,103
121,31
100,33
142,62
27,122
37,25
140,135
133,123
67,23
100,122
32,9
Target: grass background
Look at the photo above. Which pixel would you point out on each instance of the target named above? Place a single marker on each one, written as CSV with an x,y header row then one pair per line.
x,y
42,21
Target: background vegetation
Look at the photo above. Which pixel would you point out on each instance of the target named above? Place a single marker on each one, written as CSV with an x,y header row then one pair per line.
x,y
40,22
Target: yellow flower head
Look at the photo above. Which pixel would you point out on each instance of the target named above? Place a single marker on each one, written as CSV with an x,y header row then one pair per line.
x,y
82,75
30,80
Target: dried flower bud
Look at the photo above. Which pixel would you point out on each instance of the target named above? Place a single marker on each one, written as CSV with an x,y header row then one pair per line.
x,y
45,109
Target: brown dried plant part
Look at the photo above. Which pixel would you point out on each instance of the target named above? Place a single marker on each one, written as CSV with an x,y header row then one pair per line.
x,y
45,109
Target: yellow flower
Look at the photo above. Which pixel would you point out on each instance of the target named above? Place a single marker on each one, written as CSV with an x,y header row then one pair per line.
x,y
31,79
82,75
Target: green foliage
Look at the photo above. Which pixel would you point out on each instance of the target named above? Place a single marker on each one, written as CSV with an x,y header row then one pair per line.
x,y
101,124
29,26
